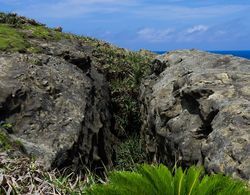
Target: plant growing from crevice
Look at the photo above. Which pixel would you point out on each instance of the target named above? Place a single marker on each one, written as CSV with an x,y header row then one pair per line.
x,y
129,154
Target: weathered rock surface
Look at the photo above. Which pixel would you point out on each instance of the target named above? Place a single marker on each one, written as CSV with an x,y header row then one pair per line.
x,y
198,111
58,105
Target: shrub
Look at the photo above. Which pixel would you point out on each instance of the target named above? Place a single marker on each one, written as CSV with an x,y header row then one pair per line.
x,y
158,180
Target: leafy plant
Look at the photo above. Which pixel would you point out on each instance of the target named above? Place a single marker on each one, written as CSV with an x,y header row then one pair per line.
x,y
159,180
6,125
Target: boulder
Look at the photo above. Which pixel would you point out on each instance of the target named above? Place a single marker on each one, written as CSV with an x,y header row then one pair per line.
x,y
197,111
58,111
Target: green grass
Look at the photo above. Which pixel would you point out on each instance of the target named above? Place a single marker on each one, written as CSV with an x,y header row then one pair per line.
x,y
129,154
5,143
11,39
16,34
124,71
42,32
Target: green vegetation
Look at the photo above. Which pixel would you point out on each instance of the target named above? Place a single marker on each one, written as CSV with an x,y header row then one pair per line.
x,y
5,143
17,33
7,126
11,39
157,180
11,19
129,154
25,176
124,70
42,32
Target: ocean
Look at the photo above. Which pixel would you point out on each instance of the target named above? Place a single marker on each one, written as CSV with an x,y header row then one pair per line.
x,y
244,54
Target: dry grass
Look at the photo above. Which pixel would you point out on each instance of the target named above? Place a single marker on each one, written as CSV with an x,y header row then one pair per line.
x,y
23,175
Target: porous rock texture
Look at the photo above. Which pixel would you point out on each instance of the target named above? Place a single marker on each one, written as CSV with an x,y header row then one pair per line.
x,y
58,105
198,111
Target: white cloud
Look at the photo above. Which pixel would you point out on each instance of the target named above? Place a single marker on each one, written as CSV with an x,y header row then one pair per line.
x,y
197,29
195,33
155,35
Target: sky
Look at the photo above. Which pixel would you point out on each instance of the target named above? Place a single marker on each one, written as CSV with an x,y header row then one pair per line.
x,y
157,25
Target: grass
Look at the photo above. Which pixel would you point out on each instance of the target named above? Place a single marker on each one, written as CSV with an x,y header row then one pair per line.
x,y
129,154
5,143
16,34
12,40
124,71
42,32
24,175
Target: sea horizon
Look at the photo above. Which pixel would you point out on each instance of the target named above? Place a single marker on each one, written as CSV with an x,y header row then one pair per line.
x,y
237,53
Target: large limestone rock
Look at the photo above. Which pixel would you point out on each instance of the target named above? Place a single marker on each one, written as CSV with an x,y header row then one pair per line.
x,y
198,111
58,105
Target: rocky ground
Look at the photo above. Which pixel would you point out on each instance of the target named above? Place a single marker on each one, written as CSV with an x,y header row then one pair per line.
x,y
71,101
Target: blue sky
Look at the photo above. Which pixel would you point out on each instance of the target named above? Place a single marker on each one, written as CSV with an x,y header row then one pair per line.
x,y
150,24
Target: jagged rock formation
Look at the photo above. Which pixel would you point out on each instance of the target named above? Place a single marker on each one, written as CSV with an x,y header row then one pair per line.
x,y
198,111
60,112
54,97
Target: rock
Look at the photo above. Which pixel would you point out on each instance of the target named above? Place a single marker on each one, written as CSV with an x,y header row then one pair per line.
x,y
197,111
145,52
158,66
58,29
58,111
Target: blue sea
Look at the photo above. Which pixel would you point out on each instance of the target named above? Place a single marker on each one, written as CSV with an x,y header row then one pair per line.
x,y
244,54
